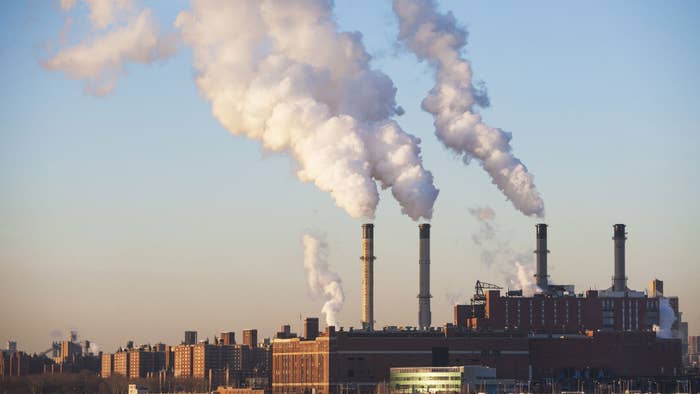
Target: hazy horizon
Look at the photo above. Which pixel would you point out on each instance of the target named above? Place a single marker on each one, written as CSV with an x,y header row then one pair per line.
x,y
135,215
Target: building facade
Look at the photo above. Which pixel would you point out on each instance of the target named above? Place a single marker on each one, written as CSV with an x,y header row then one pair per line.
x,y
360,360
545,313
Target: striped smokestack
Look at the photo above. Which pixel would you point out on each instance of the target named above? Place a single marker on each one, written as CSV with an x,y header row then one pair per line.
x,y
367,276
424,276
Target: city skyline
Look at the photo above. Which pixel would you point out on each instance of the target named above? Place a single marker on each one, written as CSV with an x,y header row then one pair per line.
x,y
137,216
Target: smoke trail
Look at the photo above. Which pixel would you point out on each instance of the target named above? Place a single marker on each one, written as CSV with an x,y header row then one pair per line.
x,y
666,319
438,39
280,72
516,268
320,280
121,34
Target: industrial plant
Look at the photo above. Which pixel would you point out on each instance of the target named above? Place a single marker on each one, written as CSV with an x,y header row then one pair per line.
x,y
553,340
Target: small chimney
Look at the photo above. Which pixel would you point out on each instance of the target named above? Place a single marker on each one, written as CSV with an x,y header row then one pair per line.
x,y
541,253
368,276
620,236
424,276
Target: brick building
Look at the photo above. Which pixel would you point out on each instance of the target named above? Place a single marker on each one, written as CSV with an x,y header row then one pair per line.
x,y
121,363
182,361
250,338
107,365
359,360
568,313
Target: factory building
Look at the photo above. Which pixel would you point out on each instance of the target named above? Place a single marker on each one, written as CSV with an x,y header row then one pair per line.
x,y
550,335
446,379
569,313
559,309
359,360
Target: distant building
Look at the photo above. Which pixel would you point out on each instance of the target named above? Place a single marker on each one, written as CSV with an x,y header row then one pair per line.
x,y
190,337
121,363
145,362
656,288
182,361
446,379
233,390
12,346
136,389
107,365
310,328
228,338
694,350
250,338
68,349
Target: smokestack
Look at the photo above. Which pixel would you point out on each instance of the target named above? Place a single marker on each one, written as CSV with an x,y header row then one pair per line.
x,y
424,276
541,252
619,280
368,276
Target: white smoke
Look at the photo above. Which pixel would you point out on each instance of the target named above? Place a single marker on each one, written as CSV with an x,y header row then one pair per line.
x,y
666,319
281,73
524,279
94,348
438,39
321,281
121,33
516,268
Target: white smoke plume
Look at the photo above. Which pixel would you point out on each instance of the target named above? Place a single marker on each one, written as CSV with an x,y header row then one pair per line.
x,y
121,33
516,268
453,100
321,281
280,72
94,348
666,319
524,279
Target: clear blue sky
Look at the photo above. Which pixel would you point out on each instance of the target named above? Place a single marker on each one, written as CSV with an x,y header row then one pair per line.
x,y
138,216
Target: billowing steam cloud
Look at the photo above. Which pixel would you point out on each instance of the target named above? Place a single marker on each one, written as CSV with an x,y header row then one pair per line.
x,y
666,319
438,39
280,72
121,34
321,281
517,269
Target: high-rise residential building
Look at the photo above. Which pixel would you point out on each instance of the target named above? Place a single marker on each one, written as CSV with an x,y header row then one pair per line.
x,y
204,357
121,363
144,362
182,360
169,359
250,337
656,288
190,337
693,344
68,349
107,368
228,338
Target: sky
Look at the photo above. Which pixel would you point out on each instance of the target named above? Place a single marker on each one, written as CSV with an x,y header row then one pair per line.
x,y
136,215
